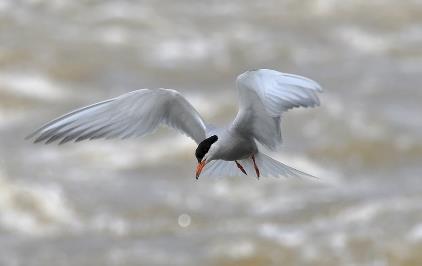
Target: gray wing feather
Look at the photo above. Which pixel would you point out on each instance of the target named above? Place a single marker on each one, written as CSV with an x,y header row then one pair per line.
x,y
264,95
130,115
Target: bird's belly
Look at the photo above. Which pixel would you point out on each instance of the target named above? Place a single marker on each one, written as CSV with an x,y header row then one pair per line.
x,y
241,149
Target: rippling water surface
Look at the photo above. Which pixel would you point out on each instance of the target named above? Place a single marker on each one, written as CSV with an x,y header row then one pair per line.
x,y
136,202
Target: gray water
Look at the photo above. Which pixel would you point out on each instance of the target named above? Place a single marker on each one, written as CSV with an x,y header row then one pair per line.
x,y
136,202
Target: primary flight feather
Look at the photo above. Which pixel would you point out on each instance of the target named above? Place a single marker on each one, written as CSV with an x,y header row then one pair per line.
x,y
264,95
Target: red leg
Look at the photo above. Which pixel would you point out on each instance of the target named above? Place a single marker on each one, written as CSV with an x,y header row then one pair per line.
x,y
256,167
240,167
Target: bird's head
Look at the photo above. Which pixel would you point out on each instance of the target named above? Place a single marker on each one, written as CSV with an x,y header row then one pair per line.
x,y
203,152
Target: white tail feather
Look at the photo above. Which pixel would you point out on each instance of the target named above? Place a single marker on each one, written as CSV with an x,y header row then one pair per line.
x,y
268,167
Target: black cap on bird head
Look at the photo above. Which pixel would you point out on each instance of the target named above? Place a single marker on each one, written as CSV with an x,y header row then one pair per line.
x,y
204,147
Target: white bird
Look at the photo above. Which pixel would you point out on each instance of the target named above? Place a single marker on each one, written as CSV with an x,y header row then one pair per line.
x,y
264,95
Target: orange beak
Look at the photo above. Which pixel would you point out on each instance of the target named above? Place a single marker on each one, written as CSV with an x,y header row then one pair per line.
x,y
199,168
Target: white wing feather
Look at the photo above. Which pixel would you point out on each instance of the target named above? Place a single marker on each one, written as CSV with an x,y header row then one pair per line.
x,y
130,115
264,95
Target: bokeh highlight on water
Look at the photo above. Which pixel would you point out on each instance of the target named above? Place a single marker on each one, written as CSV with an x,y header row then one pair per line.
x,y
136,202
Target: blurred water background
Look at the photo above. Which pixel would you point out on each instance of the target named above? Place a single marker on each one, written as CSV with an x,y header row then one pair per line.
x,y
136,202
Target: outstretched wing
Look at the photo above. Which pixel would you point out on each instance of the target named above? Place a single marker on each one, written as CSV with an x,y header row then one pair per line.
x,y
130,115
264,95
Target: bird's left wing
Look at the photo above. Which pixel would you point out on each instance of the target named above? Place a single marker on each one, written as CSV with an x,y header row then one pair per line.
x,y
264,95
130,115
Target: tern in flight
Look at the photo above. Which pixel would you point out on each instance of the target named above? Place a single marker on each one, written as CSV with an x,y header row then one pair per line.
x,y
264,95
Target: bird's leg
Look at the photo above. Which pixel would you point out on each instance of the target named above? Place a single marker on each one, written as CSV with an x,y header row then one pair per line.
x,y
255,166
240,167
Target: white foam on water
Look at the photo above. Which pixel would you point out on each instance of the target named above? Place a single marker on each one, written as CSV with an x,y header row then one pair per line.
x,y
194,48
119,10
333,105
5,6
280,203
357,120
415,234
205,104
221,188
362,213
107,223
337,8
405,142
123,154
178,50
362,41
359,123
234,249
12,117
114,36
338,240
31,85
147,153
284,236
368,211
34,209
323,7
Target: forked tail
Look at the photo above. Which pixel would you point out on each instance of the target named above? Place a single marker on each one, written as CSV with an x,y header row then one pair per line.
x,y
268,167
272,168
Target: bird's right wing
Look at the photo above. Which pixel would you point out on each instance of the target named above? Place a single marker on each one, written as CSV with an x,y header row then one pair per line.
x,y
264,95
130,115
